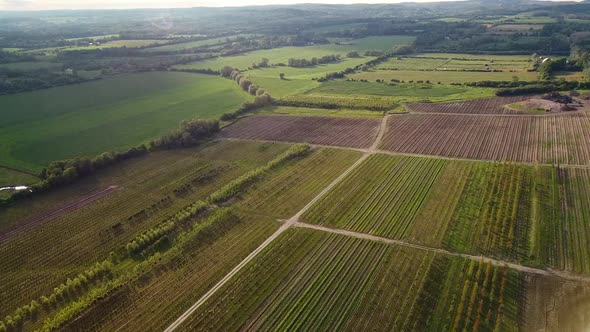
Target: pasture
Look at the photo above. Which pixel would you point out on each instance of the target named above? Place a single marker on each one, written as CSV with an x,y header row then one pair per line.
x,y
115,113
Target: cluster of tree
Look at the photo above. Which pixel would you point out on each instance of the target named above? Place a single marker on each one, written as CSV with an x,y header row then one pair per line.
x,y
68,290
190,133
301,63
374,53
549,66
264,63
353,54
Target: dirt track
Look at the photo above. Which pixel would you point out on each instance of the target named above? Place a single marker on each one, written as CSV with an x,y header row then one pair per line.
x,y
35,221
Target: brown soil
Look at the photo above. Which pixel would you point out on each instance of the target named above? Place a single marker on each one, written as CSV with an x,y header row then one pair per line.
x,y
347,132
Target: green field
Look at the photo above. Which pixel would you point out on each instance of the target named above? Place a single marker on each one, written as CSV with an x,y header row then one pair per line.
x,y
90,118
307,111
333,282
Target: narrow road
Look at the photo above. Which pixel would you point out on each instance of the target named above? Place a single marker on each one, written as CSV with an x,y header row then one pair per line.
x,y
521,268
288,224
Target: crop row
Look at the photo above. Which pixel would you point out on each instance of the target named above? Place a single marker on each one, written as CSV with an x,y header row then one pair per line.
x,y
47,255
561,139
287,190
382,197
349,132
329,282
478,106
564,231
531,215
493,214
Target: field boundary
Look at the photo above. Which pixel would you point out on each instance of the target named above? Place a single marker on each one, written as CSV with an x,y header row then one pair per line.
x,y
41,219
406,154
290,223
496,262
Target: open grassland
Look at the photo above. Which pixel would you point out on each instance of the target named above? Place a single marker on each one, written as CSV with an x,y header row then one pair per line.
x,y
159,297
495,105
332,282
511,212
148,190
90,118
446,77
349,132
559,139
286,191
307,111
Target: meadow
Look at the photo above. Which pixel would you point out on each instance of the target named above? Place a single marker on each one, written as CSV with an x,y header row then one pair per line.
x,y
90,118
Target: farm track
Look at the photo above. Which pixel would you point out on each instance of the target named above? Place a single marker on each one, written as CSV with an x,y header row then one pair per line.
x,y
41,219
521,268
294,222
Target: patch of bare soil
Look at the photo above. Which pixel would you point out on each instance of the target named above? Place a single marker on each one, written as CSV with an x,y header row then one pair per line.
x,y
555,305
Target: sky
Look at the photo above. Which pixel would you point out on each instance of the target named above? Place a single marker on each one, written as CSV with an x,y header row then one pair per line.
x,y
125,4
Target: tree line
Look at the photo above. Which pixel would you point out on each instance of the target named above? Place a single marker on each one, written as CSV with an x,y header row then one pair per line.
x,y
302,63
